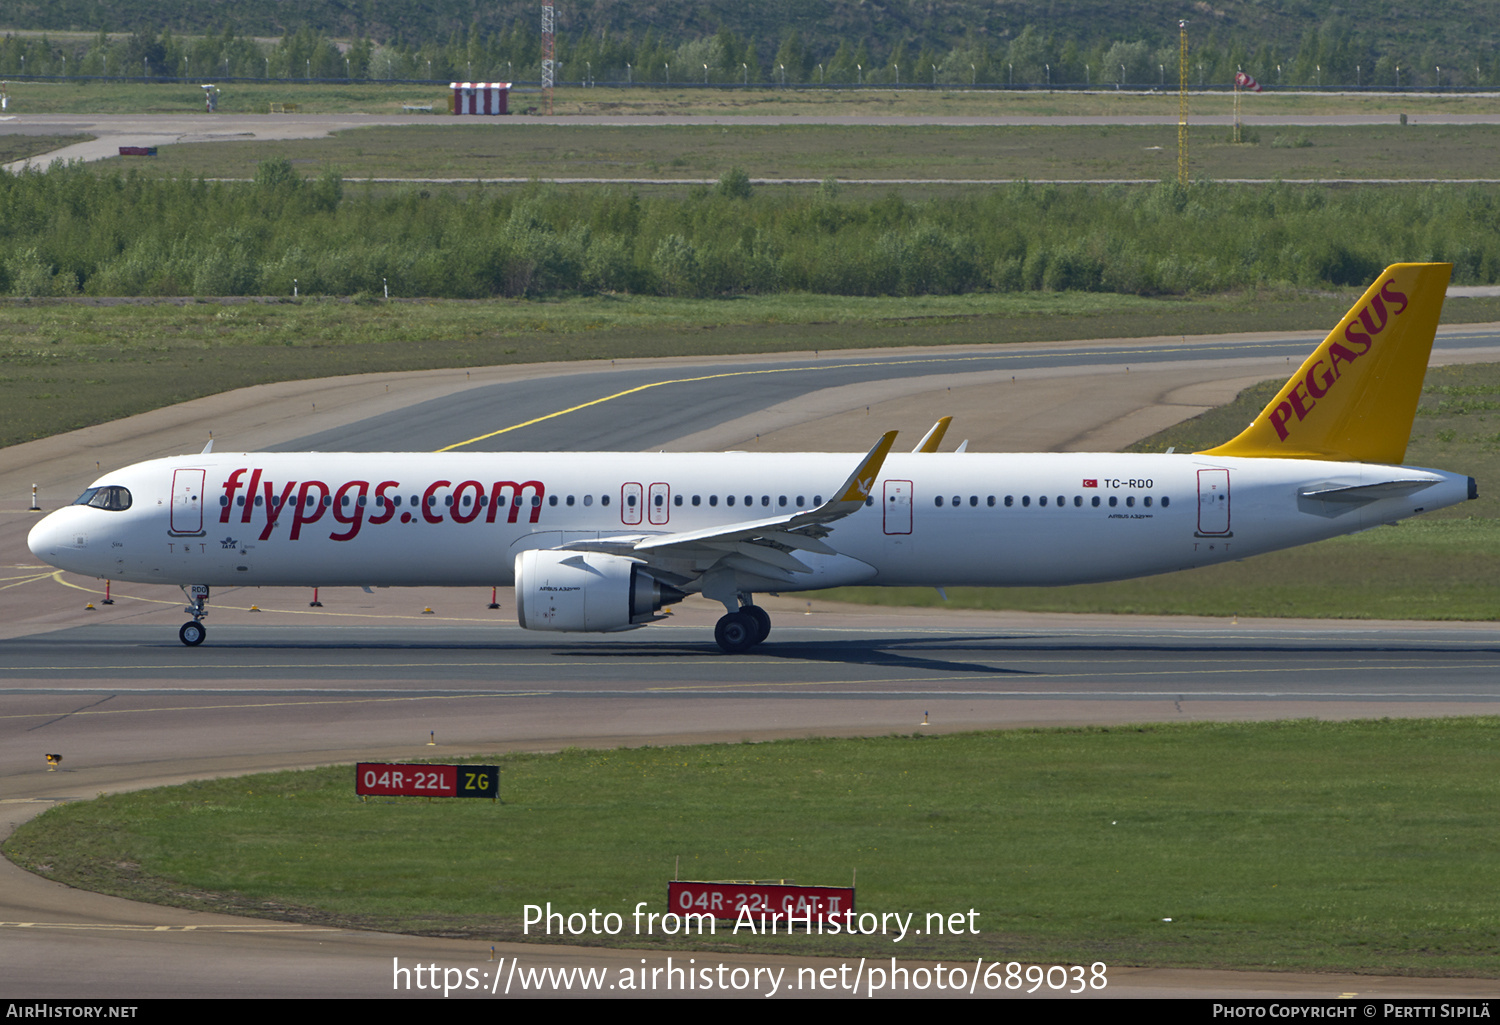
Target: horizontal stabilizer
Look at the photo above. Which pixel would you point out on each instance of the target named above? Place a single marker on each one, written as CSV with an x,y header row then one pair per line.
x,y
1366,492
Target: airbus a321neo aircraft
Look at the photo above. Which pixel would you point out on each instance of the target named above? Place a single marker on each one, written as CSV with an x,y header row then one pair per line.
x,y
603,541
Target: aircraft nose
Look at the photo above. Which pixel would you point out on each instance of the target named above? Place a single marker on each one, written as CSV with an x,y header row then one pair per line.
x,y
50,537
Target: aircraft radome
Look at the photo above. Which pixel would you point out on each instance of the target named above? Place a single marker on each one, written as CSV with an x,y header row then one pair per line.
x,y
603,541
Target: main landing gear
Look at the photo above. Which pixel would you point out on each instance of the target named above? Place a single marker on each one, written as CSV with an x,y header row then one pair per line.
x,y
740,631
192,633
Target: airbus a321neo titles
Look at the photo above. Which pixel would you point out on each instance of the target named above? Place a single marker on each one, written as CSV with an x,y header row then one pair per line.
x,y
603,541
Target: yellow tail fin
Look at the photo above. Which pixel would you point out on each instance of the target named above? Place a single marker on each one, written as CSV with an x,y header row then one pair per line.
x,y
1355,397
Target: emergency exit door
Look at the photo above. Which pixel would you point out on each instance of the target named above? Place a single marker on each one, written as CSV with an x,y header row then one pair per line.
x,y
187,502
1213,503
897,504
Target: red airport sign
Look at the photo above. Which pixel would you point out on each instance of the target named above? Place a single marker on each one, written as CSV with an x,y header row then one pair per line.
x,y
383,779
774,901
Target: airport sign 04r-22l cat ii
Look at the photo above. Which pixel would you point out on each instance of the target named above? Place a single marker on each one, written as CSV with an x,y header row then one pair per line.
x,y
603,541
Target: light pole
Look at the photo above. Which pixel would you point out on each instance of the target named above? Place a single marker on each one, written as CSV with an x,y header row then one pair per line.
x,y
1087,76
629,80
1049,75
934,76
667,70
783,76
1398,76
973,75
309,69
1161,75
705,74
1122,74
1320,75
859,70
745,68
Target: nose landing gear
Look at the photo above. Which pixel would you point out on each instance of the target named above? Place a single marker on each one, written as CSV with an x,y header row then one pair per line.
x,y
192,633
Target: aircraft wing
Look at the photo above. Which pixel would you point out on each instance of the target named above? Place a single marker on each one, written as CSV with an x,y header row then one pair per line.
x,y
762,546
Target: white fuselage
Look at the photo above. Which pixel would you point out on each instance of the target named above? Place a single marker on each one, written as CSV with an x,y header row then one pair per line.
x,y
405,519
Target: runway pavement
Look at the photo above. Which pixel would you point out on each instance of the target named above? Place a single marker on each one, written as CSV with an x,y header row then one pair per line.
x,y
373,677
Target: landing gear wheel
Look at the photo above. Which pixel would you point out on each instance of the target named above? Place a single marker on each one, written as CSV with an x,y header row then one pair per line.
x,y
762,620
192,633
737,632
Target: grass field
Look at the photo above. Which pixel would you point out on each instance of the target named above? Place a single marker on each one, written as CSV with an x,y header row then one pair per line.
x,y
520,148
19,147
1360,846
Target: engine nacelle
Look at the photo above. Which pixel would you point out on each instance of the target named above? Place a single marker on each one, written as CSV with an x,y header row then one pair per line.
x,y
586,591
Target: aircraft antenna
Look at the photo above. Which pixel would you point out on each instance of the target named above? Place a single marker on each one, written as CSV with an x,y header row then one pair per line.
x,y
547,63
1182,103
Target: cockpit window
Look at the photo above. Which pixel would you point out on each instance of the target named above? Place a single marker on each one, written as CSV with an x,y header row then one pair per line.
x,y
115,499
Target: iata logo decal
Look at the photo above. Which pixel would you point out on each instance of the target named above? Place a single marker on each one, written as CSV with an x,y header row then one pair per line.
x,y
1328,365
